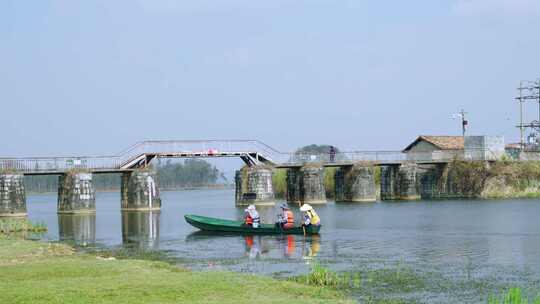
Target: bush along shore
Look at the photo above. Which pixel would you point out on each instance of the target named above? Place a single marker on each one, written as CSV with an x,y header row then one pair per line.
x,y
501,179
20,225
38,272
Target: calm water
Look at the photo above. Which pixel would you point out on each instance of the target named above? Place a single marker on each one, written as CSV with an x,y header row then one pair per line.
x,y
487,243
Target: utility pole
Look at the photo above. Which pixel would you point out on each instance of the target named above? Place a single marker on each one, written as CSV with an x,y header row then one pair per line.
x,y
464,122
521,129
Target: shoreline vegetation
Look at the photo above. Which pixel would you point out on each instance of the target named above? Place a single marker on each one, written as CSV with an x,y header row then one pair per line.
x,y
33,271
459,180
10,225
48,272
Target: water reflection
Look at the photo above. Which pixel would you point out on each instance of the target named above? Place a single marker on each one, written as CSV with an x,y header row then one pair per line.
x,y
140,229
77,228
255,246
311,247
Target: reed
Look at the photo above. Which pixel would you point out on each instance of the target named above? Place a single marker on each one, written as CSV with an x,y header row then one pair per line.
x,y
323,277
513,296
13,225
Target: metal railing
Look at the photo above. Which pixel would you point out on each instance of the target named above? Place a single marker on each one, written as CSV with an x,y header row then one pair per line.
x,y
212,148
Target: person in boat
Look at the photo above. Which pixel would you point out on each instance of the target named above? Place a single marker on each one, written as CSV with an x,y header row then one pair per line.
x,y
251,217
285,218
310,216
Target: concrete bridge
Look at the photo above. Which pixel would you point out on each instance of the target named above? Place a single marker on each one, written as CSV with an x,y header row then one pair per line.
x,y
354,178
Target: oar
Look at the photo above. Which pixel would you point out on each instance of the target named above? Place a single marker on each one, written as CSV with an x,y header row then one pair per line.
x,y
303,227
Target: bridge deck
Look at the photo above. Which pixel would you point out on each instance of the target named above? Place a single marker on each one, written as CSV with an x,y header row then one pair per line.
x,y
252,152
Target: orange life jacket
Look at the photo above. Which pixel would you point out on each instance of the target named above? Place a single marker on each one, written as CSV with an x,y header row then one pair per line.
x,y
290,219
249,220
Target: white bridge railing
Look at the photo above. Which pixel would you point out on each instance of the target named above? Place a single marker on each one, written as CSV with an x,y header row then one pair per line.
x,y
228,148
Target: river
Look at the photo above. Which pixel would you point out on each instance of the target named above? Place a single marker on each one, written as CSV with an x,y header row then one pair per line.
x,y
456,250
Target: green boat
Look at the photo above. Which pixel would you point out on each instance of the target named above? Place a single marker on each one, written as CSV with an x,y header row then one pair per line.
x,y
220,225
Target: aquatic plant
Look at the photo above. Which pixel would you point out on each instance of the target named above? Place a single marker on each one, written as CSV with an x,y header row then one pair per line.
x,y
12,225
513,296
323,277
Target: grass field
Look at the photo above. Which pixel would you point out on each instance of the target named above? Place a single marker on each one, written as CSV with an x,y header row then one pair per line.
x,y
37,272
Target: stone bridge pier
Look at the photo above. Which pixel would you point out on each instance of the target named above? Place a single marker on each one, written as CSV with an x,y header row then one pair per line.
x,y
306,185
139,191
254,186
400,182
355,184
12,195
76,193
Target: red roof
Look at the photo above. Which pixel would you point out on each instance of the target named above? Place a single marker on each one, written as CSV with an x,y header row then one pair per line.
x,y
441,142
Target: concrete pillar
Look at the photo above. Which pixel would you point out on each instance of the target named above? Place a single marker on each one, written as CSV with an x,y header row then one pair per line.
x,y
389,182
254,186
140,229
306,185
139,191
312,190
407,182
77,228
12,195
399,182
76,193
294,180
355,184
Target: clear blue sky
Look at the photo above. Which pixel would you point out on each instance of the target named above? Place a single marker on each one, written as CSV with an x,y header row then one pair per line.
x,y
93,77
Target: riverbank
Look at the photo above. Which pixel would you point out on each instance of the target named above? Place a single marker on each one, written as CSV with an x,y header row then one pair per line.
x,y
502,179
38,272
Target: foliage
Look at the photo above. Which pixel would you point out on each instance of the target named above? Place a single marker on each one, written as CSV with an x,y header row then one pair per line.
x,y
316,149
329,181
323,277
497,179
12,225
468,178
279,181
513,296
189,173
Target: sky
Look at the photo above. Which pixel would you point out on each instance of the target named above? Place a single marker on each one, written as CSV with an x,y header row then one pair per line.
x,y
94,77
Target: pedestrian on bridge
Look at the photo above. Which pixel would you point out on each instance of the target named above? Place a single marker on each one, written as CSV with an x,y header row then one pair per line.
x,y
332,154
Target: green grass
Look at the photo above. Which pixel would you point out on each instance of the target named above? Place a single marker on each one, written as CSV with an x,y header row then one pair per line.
x,y
400,284
14,225
374,286
513,296
36,272
323,277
